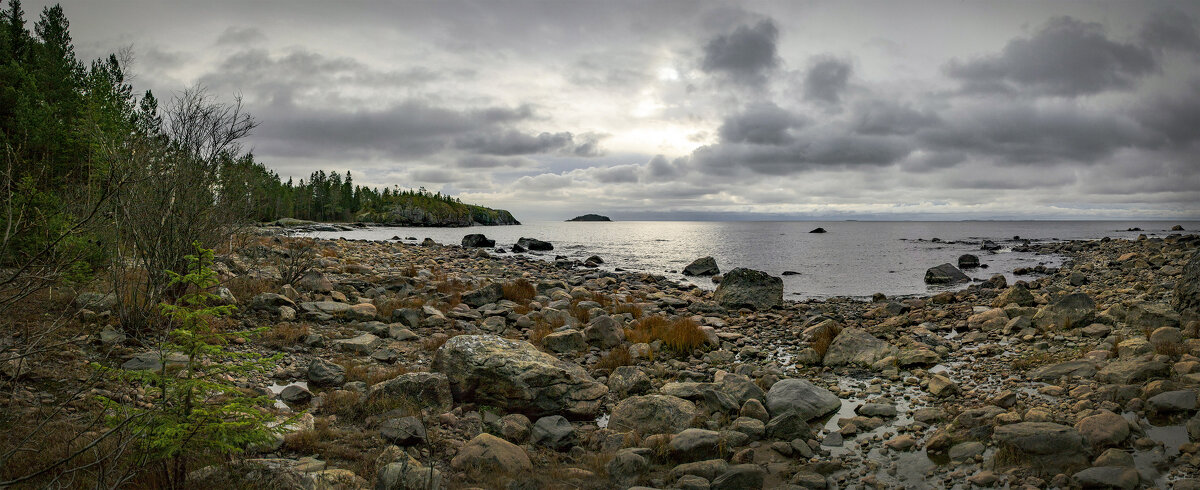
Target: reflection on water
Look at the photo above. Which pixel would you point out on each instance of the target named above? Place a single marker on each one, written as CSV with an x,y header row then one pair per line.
x,y
855,258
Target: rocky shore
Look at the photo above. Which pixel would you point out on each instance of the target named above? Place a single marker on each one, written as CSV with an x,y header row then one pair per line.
x,y
439,366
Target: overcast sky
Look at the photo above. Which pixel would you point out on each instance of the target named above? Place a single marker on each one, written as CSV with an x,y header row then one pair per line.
x,y
704,110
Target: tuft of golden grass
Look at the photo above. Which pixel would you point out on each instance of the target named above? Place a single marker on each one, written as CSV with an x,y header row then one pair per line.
x,y
285,334
1173,349
628,307
616,357
384,306
540,330
244,287
681,335
410,271
583,314
519,291
371,374
435,342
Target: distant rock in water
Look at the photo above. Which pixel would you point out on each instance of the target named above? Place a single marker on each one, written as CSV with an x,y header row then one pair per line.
x,y
703,266
590,217
989,246
1177,228
967,261
818,230
534,244
748,288
791,273
945,274
477,240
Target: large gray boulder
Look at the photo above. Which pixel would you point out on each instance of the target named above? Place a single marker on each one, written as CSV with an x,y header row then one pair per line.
x,y
487,294
325,373
515,376
534,244
945,274
1128,371
802,397
1071,311
703,266
604,331
420,388
1187,287
652,414
748,288
1050,447
475,240
855,346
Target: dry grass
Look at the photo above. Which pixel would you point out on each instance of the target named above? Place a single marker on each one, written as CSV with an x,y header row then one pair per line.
x,y
1173,349
581,313
451,286
540,330
409,271
285,334
628,307
519,291
371,374
245,287
350,447
435,342
384,306
616,357
681,335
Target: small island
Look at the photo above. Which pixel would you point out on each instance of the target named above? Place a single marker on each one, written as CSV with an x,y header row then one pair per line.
x,y
590,217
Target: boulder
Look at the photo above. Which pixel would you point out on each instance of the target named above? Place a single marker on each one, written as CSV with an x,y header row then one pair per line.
x,y
703,266
403,431
488,454
802,397
817,230
945,274
554,431
488,294
407,474
1109,477
98,301
604,331
740,476
565,341
477,240
1074,310
362,344
855,346
942,386
325,373
652,414
295,394
988,321
514,375
626,466
316,282
420,388
1082,368
1173,401
1128,371
534,244
1187,287
1016,293
695,445
628,380
1049,447
1151,316
271,302
968,261
1104,429
748,288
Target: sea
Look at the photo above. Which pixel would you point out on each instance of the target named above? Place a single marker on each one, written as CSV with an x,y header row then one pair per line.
x,y
853,259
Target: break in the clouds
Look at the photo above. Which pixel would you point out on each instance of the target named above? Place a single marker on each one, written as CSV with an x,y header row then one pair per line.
x,y
704,109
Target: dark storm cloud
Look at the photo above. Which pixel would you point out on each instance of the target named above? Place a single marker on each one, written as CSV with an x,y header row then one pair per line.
x,y
1064,57
488,161
409,129
1171,29
1030,133
889,117
659,168
511,142
826,80
809,153
763,123
746,55
1175,118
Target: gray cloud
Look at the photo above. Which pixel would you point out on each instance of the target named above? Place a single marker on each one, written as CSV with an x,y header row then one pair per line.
x,y
409,129
240,36
762,123
1171,29
511,142
811,152
491,162
826,79
1175,118
890,117
746,55
1064,57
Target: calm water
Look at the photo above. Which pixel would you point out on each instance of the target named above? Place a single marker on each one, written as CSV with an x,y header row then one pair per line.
x,y
855,258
